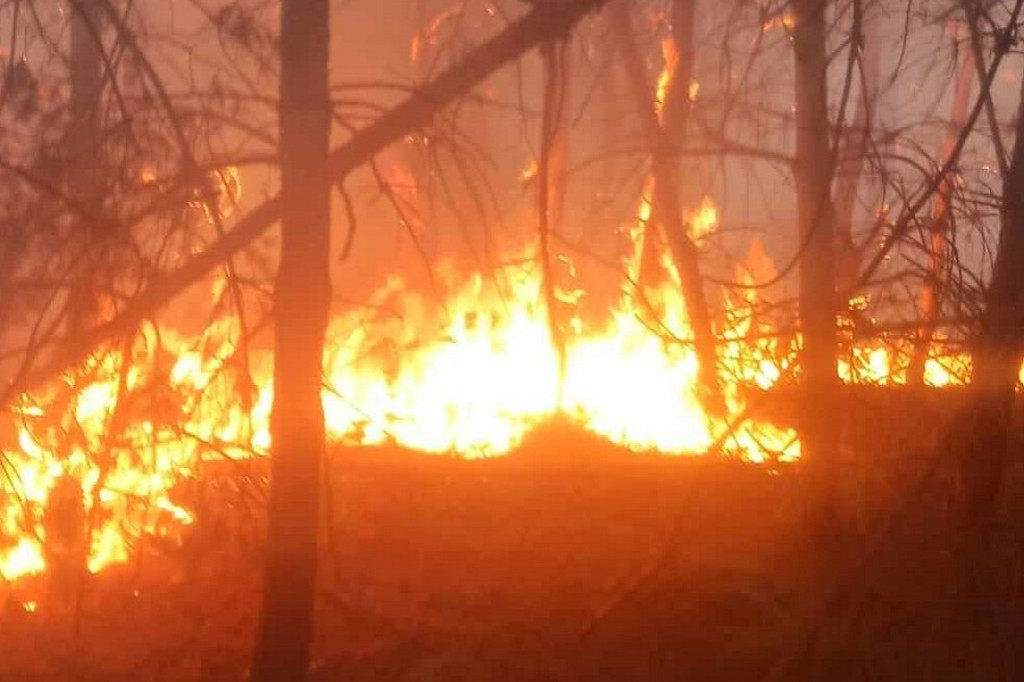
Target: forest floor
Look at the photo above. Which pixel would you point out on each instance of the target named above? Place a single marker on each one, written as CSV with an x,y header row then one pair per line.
x,y
569,559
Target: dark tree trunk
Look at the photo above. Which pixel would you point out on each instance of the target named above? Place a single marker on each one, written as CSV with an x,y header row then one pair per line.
x,y
83,144
983,623
301,307
68,527
676,116
997,356
667,210
558,54
817,277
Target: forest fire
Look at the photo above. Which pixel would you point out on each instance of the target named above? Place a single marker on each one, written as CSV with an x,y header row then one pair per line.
x,y
467,372
568,340
469,376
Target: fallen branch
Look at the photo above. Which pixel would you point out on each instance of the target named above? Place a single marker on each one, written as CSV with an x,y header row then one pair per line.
x,y
545,22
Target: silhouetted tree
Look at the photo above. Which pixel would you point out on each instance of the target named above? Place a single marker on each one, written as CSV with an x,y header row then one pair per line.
x,y
302,296
813,172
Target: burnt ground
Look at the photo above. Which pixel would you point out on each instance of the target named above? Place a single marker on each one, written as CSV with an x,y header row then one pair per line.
x,y
567,560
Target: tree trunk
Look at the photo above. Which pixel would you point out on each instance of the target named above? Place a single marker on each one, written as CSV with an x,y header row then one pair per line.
x,y
558,55
301,306
997,356
982,622
676,117
929,302
68,527
551,169
666,209
817,278
83,144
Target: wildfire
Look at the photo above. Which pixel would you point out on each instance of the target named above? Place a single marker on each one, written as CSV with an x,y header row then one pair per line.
x,y
99,458
468,377
704,220
670,57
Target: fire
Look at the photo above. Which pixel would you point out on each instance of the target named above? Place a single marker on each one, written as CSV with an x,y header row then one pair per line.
x,y
469,377
100,457
785,20
467,373
704,220
670,56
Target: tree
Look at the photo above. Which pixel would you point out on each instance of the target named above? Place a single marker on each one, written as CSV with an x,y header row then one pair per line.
x,y
83,140
661,139
812,171
997,353
302,296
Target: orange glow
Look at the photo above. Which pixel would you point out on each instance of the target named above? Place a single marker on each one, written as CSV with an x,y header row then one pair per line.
x,y
670,55
467,370
786,20
704,220
469,376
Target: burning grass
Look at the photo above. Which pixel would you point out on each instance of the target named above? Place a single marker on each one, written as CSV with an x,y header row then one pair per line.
x,y
94,463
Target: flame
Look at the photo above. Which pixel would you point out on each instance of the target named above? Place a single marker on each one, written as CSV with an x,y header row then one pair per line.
x,y
103,455
470,376
670,57
529,171
704,220
466,373
428,35
785,20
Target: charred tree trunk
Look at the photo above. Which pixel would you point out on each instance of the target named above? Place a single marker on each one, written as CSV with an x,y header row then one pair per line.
x,y
981,622
301,306
68,527
997,356
674,118
83,144
666,209
817,277
929,302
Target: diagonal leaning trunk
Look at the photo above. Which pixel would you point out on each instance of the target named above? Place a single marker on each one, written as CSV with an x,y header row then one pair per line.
x,y
302,295
667,210
813,173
